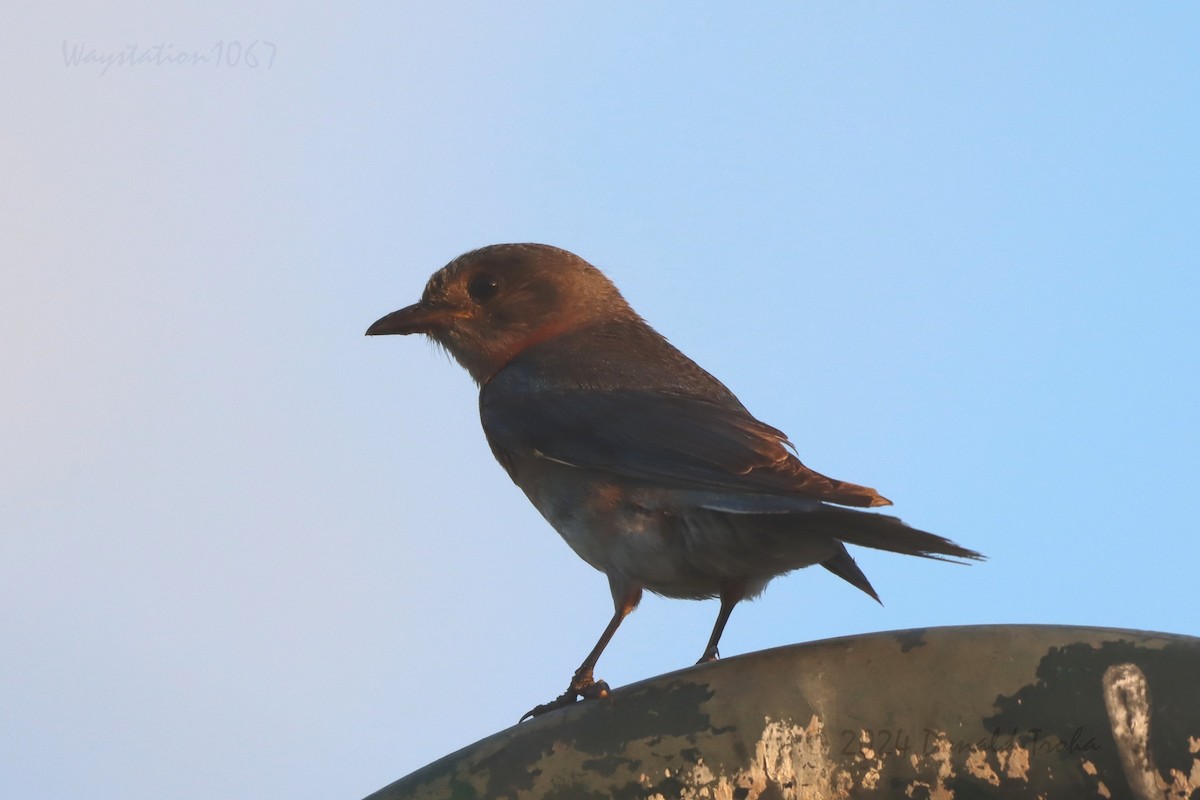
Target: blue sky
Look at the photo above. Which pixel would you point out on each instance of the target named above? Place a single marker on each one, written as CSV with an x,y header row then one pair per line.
x,y
953,250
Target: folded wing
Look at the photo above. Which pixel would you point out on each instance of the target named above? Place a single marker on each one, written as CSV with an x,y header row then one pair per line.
x,y
672,439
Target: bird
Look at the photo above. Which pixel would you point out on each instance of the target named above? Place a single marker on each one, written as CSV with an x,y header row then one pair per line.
x,y
649,468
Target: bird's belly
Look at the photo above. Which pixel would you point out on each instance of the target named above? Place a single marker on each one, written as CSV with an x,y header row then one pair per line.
x,y
640,548
654,537
620,538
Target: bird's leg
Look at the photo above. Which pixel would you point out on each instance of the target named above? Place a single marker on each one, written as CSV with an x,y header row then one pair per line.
x,y
731,595
583,683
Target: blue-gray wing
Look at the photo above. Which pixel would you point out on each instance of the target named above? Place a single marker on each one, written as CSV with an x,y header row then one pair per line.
x,y
660,437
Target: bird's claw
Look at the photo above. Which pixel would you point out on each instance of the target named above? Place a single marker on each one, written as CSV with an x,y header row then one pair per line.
x,y
562,701
582,687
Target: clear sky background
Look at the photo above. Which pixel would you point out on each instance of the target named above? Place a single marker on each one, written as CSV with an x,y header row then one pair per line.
x,y
952,249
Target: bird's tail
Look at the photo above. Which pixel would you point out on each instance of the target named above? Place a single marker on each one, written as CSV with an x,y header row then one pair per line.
x,y
847,569
881,532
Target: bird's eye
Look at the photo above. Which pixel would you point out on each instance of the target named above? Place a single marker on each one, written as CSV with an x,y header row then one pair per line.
x,y
483,287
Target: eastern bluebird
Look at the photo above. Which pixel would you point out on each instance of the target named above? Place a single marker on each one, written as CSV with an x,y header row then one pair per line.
x,y
649,467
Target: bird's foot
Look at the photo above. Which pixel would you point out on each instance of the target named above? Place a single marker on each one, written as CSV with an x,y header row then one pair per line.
x,y
710,655
583,687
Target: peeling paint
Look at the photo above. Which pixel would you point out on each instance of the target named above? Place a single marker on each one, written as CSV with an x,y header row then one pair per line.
x,y
1127,698
790,760
1090,770
866,757
1011,712
796,758
978,766
1183,786
1014,761
940,762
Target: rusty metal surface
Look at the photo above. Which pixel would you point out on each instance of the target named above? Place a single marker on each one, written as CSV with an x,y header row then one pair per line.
x,y
1007,711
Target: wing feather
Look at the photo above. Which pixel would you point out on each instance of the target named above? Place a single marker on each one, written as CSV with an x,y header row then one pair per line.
x,y
648,434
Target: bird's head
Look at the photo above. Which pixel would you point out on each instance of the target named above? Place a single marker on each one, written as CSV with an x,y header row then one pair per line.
x,y
488,305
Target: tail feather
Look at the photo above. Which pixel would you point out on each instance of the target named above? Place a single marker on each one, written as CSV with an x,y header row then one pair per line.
x,y
845,568
881,532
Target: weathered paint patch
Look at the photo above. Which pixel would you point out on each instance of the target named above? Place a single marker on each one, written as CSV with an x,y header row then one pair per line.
x,y
1184,785
933,771
866,756
1014,760
1006,712
978,767
1127,699
791,762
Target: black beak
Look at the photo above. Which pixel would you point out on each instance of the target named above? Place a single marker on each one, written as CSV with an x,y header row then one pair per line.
x,y
417,318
